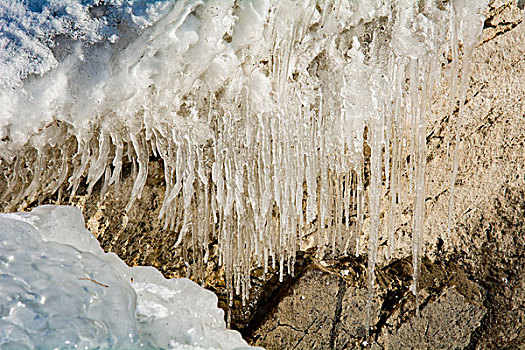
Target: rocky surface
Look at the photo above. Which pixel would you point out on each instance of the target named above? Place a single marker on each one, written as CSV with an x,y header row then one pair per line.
x,y
472,288
326,309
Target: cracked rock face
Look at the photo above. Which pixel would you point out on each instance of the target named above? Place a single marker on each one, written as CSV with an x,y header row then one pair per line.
x,y
445,323
327,310
472,294
472,280
472,288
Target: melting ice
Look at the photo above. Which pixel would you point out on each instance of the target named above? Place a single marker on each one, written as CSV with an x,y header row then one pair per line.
x,y
281,125
58,289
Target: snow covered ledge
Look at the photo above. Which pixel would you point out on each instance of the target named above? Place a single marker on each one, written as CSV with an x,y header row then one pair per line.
x,y
60,290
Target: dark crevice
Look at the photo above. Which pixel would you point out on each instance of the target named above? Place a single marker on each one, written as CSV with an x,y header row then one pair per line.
x,y
271,297
503,29
279,324
305,332
396,295
338,310
493,13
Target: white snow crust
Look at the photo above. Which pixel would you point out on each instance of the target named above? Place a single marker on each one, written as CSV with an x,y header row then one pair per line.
x,y
36,35
58,289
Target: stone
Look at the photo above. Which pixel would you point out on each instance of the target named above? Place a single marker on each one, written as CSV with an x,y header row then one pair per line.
x,y
472,286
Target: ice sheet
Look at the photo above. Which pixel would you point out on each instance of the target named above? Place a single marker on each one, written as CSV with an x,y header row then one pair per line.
x,y
58,289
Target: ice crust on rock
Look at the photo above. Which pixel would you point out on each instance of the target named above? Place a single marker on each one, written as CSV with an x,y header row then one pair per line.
x,y
281,124
58,289
38,34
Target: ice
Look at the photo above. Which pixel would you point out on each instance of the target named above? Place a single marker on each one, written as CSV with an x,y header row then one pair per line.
x,y
275,120
37,35
60,290
465,26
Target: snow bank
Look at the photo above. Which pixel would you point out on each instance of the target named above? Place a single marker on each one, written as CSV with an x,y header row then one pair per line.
x,y
58,289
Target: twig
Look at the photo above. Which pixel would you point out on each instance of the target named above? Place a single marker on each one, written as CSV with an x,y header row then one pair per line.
x,y
92,280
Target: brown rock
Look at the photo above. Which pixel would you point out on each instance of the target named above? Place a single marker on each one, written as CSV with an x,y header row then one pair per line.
x,y
472,287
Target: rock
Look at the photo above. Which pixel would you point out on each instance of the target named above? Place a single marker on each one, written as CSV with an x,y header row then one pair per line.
x,y
306,317
327,309
472,287
446,323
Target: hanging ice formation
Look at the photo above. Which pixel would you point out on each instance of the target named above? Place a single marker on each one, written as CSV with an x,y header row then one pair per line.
x,y
275,120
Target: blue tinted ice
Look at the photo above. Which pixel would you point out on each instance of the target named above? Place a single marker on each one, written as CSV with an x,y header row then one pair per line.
x,y
58,289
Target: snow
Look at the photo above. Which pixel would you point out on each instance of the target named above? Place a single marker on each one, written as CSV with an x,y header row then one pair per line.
x,y
60,290
37,35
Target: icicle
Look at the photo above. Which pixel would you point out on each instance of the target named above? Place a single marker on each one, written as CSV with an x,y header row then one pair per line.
x,y
263,123
376,140
97,168
142,159
464,18
454,43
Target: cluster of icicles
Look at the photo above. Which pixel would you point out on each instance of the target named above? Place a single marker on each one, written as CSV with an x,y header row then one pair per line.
x,y
276,122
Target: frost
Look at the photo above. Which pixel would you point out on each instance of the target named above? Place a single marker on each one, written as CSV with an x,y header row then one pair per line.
x,y
281,125
60,290
37,35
